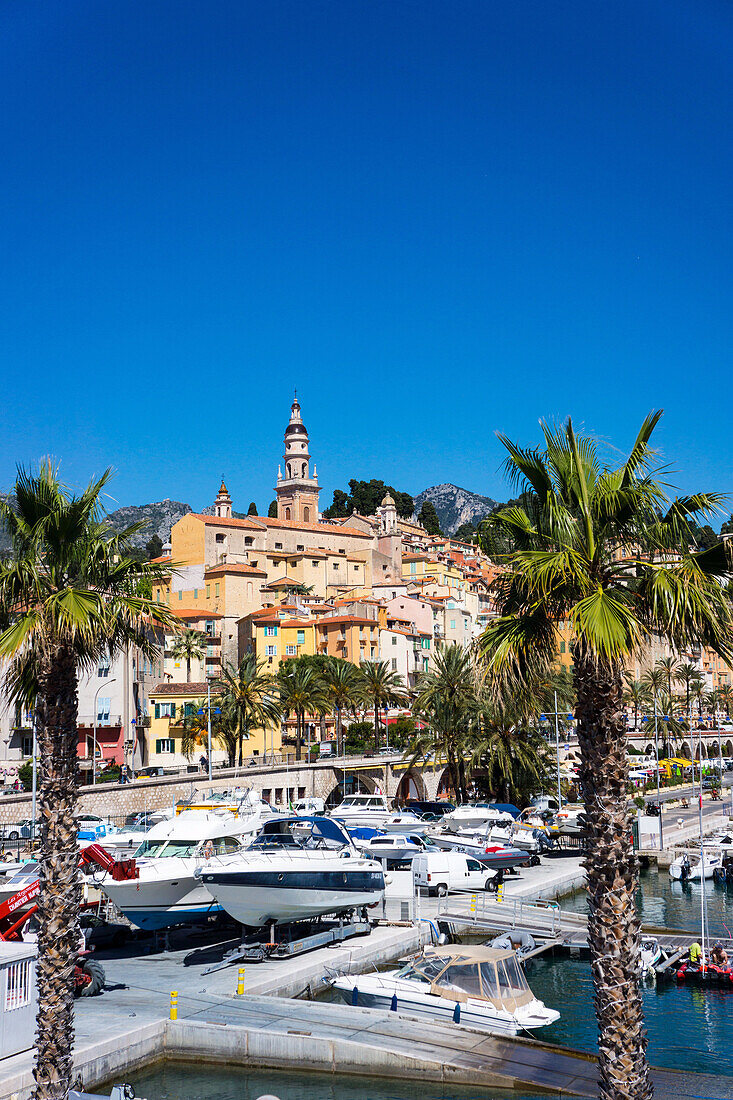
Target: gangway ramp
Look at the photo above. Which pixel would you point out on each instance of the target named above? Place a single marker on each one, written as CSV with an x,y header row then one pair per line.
x,y
546,922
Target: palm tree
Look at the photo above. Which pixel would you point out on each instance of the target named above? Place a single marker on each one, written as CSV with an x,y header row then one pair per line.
x,y
637,694
445,700
70,591
382,688
341,681
725,695
655,680
301,691
189,646
195,726
606,549
687,674
669,667
248,699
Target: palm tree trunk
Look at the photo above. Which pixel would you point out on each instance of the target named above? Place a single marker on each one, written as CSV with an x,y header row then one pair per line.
x,y
58,901
613,922
376,726
188,670
338,729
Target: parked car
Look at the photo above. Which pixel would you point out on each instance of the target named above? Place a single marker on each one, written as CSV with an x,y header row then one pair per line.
x,y
17,831
149,773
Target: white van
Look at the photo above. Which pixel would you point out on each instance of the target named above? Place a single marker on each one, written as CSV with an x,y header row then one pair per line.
x,y
439,872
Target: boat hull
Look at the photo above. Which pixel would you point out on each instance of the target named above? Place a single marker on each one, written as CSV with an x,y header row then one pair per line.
x,y
257,897
439,1009
162,903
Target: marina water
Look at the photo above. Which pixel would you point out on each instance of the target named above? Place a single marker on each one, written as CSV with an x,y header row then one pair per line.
x,y
689,1028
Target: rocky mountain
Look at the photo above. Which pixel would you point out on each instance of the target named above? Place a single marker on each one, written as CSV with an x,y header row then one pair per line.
x,y
157,518
455,506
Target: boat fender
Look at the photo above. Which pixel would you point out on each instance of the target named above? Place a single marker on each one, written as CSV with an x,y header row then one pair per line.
x,y
355,995
457,1014
393,1006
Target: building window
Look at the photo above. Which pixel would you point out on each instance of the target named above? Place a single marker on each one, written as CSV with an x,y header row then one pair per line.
x,y
453,624
278,546
306,511
299,547
291,650
271,631
425,664
315,563
394,664
413,568
254,564
27,749
249,541
374,653
335,565
165,744
208,591
220,538
562,647
216,589
426,643
103,668
394,640
301,637
103,709
195,593
271,651
287,513
180,595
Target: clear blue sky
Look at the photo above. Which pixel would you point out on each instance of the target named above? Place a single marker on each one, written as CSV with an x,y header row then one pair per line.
x,y
438,220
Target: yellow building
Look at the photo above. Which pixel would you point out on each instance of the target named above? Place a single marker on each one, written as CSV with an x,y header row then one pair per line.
x,y
433,569
169,704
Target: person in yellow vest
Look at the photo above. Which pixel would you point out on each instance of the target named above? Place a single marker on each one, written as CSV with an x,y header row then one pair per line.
x,y
695,954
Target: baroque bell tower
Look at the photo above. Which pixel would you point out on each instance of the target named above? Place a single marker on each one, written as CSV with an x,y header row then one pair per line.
x,y
297,492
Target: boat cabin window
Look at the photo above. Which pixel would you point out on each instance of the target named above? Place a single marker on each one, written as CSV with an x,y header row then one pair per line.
x,y
221,846
463,977
512,981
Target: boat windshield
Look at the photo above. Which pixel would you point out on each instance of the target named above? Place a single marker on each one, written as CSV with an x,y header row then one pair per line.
x,y
464,977
422,970
164,849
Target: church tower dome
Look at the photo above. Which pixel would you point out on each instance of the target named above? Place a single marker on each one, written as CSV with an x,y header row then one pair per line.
x,y
223,502
297,491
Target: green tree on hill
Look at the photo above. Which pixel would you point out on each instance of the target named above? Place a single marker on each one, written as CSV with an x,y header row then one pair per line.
x,y
465,533
429,518
154,547
252,510
272,510
365,497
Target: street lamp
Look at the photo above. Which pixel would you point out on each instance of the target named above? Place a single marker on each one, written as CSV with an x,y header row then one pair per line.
x,y
105,683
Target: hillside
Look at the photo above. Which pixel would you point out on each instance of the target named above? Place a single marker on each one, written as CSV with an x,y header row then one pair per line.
x,y
158,518
455,505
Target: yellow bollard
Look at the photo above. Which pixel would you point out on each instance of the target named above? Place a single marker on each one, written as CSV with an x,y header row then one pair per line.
x,y
174,1005
500,893
473,903
240,982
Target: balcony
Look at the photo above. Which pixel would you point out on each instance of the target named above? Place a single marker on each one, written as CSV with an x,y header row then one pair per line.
x,y
86,721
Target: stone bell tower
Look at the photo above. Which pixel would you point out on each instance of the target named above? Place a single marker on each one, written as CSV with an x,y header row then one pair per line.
x,y
297,492
223,502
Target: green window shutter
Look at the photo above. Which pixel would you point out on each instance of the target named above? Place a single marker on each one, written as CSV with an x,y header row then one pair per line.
x,y
173,710
157,711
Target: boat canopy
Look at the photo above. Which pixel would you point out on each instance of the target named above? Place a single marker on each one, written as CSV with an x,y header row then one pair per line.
x,y
302,832
481,973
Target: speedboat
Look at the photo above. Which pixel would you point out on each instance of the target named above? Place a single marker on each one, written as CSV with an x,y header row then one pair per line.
x,y
480,987
167,892
683,869
397,846
650,955
297,868
570,820
483,848
474,816
363,810
528,840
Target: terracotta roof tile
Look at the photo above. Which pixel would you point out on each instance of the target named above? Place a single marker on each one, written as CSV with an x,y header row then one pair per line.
x,y
326,621
318,528
235,568
197,613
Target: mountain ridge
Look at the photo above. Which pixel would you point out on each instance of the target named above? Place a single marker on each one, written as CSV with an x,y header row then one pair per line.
x,y
455,505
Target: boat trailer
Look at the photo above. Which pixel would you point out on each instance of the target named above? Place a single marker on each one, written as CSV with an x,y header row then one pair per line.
x,y
295,939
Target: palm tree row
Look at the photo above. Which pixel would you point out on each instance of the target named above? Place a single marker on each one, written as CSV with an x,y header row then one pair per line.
x,y
478,724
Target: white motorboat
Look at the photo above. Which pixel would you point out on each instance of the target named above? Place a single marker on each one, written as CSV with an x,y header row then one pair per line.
x,y
397,846
296,869
528,840
475,816
405,822
363,811
651,953
684,869
570,820
18,877
167,891
480,987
